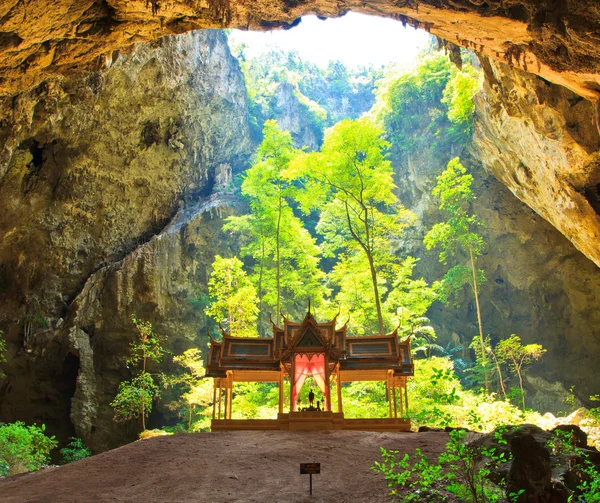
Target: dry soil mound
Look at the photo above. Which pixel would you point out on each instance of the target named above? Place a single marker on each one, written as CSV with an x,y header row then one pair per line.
x,y
224,467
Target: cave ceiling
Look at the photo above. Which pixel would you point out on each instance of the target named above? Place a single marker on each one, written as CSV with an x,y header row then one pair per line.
x,y
558,40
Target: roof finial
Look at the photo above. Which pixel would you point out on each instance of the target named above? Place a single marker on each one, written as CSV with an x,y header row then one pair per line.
x,y
309,305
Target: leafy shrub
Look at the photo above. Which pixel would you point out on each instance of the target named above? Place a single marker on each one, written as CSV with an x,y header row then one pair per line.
x,y
460,472
23,448
74,451
563,444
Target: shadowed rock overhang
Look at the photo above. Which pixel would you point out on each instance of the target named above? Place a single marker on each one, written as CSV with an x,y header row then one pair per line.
x,y
559,41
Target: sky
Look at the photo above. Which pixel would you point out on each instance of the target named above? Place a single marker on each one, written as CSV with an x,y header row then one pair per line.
x,y
355,39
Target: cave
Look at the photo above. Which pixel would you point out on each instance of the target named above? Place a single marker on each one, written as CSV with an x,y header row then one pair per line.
x,y
536,133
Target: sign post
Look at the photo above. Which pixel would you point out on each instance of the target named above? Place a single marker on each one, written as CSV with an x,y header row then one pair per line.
x,y
310,469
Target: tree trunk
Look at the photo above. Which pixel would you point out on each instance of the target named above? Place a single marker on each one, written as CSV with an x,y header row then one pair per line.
x,y
520,384
230,307
500,378
260,302
376,292
368,251
482,340
278,263
143,394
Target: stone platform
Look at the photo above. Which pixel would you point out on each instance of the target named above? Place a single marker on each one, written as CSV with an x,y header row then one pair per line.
x,y
312,421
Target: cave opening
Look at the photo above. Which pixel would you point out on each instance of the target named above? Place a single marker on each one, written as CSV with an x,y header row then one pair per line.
x,y
169,283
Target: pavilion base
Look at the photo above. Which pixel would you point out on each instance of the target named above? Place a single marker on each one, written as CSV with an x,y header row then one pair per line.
x,y
312,421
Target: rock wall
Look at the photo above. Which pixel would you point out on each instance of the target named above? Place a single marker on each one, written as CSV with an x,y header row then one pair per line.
x,y
92,167
157,282
537,138
558,40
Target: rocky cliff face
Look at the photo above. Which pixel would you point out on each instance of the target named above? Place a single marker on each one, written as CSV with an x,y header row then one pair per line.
x,y
557,40
539,140
92,167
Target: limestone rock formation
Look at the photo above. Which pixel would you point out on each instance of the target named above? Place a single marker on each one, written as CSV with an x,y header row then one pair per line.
x,y
293,116
538,139
92,167
158,281
555,40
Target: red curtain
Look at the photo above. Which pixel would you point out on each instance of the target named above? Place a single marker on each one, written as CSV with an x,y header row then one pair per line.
x,y
309,365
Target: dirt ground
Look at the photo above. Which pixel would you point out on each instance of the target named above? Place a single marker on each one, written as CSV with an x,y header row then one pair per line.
x,y
225,467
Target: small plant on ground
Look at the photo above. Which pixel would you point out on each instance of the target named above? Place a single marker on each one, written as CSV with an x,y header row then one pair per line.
x,y
563,444
74,451
460,472
135,397
23,448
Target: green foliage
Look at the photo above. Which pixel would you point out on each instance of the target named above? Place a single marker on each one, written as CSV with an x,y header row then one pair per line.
x,y
147,346
233,298
194,391
430,109
350,182
484,368
458,234
253,400
284,256
365,399
518,357
438,399
457,239
134,398
458,97
74,451
327,95
460,472
563,444
23,448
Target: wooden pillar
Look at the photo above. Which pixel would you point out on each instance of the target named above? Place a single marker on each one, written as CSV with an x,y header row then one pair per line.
x,y
281,382
228,403
395,402
292,377
220,397
401,403
339,390
388,388
406,396
214,398
327,385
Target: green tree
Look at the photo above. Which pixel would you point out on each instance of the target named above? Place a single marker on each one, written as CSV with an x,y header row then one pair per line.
x,y
350,181
23,448
135,397
457,238
458,97
197,390
233,297
519,357
286,258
